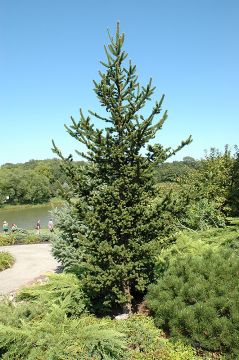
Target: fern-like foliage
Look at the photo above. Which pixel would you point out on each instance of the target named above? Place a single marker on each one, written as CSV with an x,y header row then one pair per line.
x,y
55,336
49,321
44,323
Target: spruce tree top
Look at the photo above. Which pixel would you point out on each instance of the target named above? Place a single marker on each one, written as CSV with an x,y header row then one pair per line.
x,y
120,93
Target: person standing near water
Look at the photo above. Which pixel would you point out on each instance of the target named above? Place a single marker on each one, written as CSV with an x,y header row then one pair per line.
x,y
5,227
14,227
50,225
38,227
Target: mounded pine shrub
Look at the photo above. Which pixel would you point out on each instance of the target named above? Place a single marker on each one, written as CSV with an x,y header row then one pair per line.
x,y
197,301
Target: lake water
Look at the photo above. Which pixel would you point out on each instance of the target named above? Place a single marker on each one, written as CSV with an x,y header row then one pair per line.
x,y
26,218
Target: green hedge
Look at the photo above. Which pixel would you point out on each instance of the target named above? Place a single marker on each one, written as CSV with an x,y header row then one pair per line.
x,y
24,237
197,300
6,260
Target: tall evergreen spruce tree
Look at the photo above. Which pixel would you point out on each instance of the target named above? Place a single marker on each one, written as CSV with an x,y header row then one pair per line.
x,y
111,249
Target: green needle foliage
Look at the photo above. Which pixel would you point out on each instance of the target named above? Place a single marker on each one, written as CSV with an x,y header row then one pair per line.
x,y
112,194
50,321
55,336
197,300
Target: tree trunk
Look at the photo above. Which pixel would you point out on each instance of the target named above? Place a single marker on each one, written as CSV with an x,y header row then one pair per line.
x,y
128,305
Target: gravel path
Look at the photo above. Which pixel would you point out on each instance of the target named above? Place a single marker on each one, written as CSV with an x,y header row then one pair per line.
x,y
31,262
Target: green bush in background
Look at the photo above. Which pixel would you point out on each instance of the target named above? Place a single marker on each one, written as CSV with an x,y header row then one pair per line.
x,y
24,237
202,214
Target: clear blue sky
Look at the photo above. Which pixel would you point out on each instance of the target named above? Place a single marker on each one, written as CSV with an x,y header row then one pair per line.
x,y
50,52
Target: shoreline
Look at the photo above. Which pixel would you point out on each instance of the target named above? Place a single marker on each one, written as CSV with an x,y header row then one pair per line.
x,y
54,202
23,206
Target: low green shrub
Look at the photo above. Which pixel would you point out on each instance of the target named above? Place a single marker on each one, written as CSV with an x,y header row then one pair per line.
x,y
195,243
55,336
24,237
6,260
50,321
145,341
62,289
6,239
197,300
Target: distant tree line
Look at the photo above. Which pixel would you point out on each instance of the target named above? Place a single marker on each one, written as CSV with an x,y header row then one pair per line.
x,y
32,182
213,179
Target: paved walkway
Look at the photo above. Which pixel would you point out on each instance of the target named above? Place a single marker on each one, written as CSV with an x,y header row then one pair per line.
x,y
31,262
